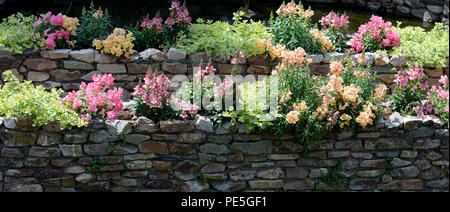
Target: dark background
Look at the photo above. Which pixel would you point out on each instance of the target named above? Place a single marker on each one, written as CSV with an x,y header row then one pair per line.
x,y
129,12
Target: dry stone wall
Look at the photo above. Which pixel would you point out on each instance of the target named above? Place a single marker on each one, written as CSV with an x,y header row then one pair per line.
x,y
400,154
66,69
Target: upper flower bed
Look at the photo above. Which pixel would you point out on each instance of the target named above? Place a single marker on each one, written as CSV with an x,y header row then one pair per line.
x,y
308,106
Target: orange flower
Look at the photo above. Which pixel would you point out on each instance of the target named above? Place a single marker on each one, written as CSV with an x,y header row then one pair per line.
x,y
380,92
336,68
292,117
351,93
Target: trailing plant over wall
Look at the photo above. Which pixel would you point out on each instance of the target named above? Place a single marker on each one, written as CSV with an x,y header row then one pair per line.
x,y
424,48
23,100
17,32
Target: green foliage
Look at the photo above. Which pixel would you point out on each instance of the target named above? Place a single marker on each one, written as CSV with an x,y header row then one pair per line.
x,y
389,167
17,33
293,31
334,176
424,48
25,100
254,113
221,37
305,88
91,27
97,163
145,38
404,100
155,114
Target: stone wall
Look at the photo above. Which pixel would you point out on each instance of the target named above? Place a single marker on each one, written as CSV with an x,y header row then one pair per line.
x,y
427,10
401,154
64,68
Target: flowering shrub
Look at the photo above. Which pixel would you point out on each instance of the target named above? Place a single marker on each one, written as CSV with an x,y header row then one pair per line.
x,y
375,35
157,33
292,29
335,27
347,96
325,43
94,24
152,99
25,100
96,99
118,43
436,102
17,33
413,96
411,88
56,31
424,48
221,37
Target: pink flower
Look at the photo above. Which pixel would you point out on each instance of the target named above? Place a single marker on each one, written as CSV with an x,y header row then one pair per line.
x,y
37,22
444,80
96,99
415,73
402,79
57,20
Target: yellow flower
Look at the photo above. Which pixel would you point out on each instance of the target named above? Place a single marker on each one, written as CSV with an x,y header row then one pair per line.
x,y
119,43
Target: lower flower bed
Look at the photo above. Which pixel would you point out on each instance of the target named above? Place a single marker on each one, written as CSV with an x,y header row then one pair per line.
x,y
399,154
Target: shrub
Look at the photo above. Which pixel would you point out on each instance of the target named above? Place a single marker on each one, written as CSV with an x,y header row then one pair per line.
x,y
56,31
375,35
94,24
97,99
157,33
118,43
298,98
436,102
221,37
348,97
17,33
292,28
413,96
299,90
153,99
424,48
335,27
25,100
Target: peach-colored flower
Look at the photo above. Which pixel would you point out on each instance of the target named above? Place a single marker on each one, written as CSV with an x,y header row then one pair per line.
x,y
292,117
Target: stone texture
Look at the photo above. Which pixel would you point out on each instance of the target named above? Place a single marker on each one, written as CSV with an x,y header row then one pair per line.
x,y
17,139
424,14
56,54
77,65
37,76
39,64
112,68
174,68
62,75
84,55
154,147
